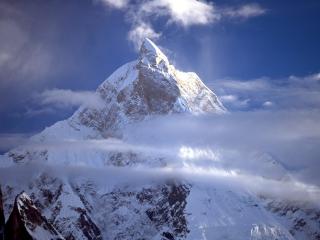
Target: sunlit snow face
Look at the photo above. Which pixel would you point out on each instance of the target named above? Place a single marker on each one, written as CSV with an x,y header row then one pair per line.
x,y
189,153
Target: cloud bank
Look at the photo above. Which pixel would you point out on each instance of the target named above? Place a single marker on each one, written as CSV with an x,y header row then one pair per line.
x,y
293,92
68,98
236,140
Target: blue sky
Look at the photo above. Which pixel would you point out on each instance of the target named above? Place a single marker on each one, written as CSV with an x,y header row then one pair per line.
x,y
254,54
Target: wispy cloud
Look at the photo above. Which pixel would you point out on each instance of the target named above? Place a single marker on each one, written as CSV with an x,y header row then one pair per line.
x,y
68,98
284,93
140,31
244,11
118,4
234,100
270,152
292,136
19,54
10,140
252,85
183,13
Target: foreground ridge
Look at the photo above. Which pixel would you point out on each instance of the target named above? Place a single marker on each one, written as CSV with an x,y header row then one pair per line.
x,y
26,222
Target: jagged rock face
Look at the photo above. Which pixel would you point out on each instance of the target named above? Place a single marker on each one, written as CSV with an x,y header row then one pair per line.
x,y
72,220
26,222
303,221
160,207
146,87
170,210
84,210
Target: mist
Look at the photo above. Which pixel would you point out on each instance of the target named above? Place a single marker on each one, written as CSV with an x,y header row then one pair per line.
x,y
272,153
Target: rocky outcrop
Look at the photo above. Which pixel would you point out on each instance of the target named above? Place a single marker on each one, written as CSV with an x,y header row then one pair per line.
x,y
2,219
151,212
26,222
303,220
72,220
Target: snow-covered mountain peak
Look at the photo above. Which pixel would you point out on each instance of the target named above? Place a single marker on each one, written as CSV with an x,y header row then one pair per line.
x,y
83,194
151,55
136,91
145,87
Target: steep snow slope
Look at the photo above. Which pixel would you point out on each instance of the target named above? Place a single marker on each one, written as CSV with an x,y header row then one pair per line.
x,y
224,212
84,194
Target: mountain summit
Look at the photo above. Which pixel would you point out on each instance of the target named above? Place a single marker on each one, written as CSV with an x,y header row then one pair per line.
x,y
151,55
139,90
145,87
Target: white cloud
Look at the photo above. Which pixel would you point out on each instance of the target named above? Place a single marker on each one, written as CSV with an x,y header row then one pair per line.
x,y
30,112
267,104
182,12
244,11
189,153
235,101
228,98
69,98
285,93
139,32
218,147
252,85
119,4
292,136
185,13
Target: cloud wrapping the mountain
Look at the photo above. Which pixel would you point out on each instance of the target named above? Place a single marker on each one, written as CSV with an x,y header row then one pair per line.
x,y
293,92
291,136
68,98
139,32
11,140
232,141
115,176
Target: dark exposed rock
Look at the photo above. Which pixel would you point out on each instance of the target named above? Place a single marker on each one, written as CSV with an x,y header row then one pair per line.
x,y
2,220
169,208
167,236
26,222
50,195
24,156
88,227
301,218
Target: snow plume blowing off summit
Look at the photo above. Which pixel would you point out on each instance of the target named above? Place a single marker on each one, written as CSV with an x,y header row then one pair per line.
x,y
160,158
